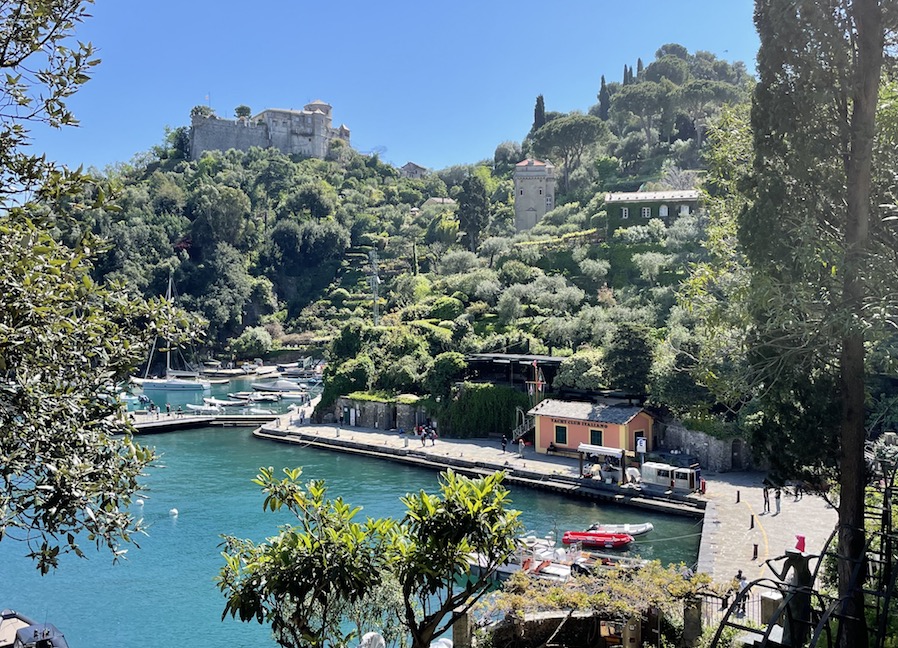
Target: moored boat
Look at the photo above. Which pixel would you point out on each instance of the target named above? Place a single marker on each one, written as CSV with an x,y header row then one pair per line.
x,y
203,409
174,384
17,630
631,529
596,539
218,402
276,386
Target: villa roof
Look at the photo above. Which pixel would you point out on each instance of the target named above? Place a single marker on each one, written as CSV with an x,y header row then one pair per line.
x,y
652,196
533,162
615,414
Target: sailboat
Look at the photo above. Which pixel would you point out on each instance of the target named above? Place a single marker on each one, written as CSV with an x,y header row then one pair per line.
x,y
175,380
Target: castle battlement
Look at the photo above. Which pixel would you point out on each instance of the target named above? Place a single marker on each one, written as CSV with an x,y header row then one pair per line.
x,y
305,132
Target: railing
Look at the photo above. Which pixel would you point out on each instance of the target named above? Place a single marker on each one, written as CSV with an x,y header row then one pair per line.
x,y
528,424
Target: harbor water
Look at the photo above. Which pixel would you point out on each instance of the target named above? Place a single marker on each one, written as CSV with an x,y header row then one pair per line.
x,y
164,594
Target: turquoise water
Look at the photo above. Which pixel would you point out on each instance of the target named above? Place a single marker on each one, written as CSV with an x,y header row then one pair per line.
x,y
164,593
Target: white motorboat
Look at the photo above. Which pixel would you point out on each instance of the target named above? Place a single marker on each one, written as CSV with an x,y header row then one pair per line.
x,y
629,529
203,409
276,386
218,402
256,397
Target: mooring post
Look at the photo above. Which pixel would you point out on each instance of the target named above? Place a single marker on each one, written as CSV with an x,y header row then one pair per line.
x,y
751,524
737,497
754,553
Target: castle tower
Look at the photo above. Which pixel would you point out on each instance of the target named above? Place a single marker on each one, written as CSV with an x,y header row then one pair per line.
x,y
534,192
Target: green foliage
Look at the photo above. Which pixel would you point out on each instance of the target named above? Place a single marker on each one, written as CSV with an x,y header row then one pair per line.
x,y
446,370
619,593
481,410
583,370
66,341
305,580
242,111
327,569
629,358
473,209
254,342
446,308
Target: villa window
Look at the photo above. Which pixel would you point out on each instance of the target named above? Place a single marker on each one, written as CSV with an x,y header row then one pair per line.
x,y
560,435
646,212
684,210
522,192
662,211
595,437
625,212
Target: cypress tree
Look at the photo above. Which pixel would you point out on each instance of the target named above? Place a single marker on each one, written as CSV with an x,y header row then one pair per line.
x,y
639,68
604,101
626,77
539,114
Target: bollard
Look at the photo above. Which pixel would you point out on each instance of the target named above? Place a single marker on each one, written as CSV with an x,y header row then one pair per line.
x,y
751,524
737,497
406,442
754,553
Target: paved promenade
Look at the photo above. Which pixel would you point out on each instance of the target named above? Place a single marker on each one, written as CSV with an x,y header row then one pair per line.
x,y
734,521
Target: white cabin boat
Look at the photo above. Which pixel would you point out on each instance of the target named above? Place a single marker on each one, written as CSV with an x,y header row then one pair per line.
x,y
276,386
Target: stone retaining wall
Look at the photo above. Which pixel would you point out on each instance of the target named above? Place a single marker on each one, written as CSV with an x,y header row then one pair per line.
x,y
714,455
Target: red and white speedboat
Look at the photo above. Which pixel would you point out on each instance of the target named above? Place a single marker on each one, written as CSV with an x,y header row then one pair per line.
x,y
597,539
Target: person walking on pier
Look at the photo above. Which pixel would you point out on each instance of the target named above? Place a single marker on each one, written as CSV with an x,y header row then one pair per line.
x,y
777,494
504,442
766,499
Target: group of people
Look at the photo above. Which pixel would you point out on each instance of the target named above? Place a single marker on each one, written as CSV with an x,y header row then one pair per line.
x,y
426,432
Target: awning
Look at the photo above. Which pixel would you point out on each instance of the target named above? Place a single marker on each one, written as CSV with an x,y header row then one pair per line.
x,y
605,451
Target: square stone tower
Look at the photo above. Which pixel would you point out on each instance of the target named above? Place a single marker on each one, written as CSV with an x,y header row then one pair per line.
x,y
534,192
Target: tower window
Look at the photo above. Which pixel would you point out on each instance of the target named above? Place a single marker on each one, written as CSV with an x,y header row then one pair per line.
x,y
646,212
625,212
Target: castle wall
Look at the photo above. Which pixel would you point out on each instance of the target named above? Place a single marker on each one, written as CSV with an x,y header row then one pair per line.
x,y
307,132
211,134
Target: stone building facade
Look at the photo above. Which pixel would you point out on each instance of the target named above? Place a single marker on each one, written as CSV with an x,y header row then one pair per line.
x,y
534,192
306,132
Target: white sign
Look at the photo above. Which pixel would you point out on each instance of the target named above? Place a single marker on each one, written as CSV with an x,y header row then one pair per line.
x,y
640,444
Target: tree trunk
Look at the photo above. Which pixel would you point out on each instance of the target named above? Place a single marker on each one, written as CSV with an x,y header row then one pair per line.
x,y
870,40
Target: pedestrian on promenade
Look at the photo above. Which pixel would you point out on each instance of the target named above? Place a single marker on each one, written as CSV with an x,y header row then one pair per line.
x,y
777,494
433,437
168,409
504,442
424,437
743,584
180,411
766,499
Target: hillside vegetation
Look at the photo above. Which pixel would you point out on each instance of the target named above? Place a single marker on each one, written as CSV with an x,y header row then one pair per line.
x,y
277,251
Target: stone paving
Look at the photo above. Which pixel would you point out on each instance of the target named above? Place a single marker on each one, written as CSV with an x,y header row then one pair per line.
x,y
735,522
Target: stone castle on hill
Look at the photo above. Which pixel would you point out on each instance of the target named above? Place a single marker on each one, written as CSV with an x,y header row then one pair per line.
x,y
306,132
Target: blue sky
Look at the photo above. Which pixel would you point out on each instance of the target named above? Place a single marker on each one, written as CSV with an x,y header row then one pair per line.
x,y
435,83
